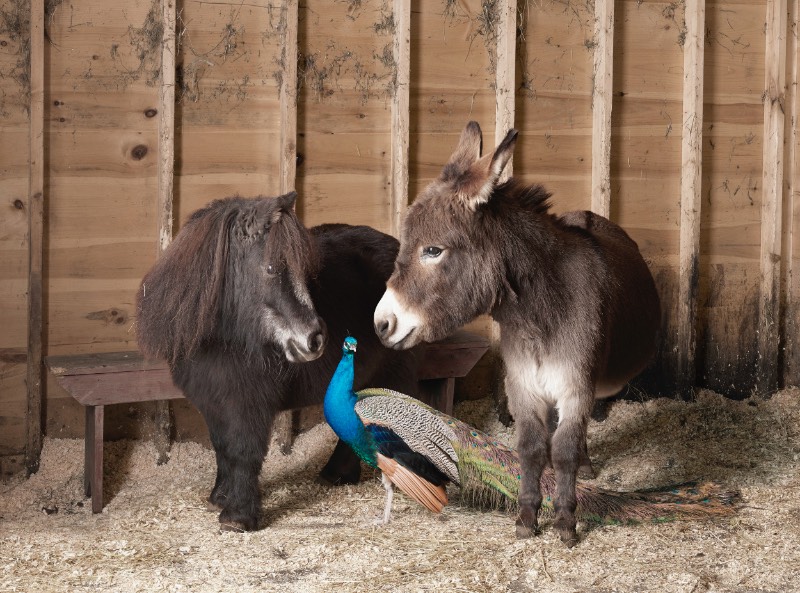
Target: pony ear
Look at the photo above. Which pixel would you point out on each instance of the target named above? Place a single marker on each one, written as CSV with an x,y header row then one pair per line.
x,y
475,187
466,153
285,203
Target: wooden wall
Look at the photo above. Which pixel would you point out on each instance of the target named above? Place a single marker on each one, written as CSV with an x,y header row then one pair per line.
x,y
675,119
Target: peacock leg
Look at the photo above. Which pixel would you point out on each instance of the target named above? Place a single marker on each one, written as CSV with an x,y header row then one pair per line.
x,y
387,510
532,447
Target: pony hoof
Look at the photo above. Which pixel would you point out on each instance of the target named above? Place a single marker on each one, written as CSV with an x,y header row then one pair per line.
x,y
233,526
213,507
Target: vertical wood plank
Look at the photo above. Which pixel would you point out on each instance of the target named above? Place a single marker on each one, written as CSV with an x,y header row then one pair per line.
x,y
284,426
601,106
35,368
505,106
691,182
401,53
166,175
791,212
505,114
772,195
288,98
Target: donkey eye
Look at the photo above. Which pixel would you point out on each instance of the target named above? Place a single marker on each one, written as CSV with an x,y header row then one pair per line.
x,y
432,251
270,270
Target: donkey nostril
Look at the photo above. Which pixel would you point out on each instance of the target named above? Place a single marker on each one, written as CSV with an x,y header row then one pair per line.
x,y
385,327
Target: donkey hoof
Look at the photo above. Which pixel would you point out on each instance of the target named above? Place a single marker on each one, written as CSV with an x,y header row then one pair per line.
x,y
586,472
525,530
568,537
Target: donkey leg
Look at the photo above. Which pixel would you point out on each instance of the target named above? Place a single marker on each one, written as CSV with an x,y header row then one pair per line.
x,y
567,446
532,447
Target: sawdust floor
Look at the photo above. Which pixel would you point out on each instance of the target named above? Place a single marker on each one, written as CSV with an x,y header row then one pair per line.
x,y
155,534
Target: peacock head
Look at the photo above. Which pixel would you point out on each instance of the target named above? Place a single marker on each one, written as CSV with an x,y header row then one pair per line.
x,y
350,344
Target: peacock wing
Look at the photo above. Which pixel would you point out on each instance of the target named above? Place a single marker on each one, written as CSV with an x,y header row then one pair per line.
x,y
416,424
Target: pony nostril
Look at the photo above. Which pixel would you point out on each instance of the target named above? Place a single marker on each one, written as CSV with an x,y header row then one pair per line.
x,y
316,342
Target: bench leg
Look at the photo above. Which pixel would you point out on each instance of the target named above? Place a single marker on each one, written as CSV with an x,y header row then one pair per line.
x,y
93,457
438,393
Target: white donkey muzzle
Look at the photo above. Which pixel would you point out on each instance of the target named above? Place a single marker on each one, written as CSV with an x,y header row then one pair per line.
x,y
397,326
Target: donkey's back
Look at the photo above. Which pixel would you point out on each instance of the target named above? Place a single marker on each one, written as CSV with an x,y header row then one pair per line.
x,y
631,313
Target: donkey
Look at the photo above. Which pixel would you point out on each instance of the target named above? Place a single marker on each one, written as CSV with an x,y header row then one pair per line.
x,y
576,304
241,305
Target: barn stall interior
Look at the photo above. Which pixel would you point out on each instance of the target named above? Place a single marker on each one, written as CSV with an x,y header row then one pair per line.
x,y
676,120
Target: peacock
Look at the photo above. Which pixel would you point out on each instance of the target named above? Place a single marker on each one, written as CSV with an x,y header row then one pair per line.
x,y
420,450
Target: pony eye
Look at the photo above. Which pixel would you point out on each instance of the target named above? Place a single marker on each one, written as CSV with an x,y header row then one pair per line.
x,y
432,251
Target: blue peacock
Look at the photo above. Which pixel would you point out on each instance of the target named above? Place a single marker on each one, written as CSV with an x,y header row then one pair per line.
x,y
420,450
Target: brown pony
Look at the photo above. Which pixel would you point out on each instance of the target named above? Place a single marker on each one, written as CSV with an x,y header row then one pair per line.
x,y
575,301
242,305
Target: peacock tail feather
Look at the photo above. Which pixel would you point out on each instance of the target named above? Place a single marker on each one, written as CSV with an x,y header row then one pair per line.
x,y
486,471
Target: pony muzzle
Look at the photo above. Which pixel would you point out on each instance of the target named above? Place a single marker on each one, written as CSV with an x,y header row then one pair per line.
x,y
307,347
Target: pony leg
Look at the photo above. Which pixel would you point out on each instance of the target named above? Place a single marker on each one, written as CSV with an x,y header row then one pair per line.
x,y
219,494
568,445
344,466
240,455
532,448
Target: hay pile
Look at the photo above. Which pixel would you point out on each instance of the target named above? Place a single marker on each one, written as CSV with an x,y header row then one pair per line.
x,y
155,534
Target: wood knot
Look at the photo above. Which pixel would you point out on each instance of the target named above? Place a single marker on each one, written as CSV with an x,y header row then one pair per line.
x,y
19,204
151,112
139,152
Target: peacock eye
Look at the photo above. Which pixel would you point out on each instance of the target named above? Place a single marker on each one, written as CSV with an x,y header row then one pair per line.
x,y
431,251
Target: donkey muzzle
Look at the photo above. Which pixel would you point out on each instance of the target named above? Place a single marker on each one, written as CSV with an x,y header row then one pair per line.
x,y
395,325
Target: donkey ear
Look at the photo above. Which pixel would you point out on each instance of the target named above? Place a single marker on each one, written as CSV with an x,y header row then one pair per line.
x,y
466,153
475,187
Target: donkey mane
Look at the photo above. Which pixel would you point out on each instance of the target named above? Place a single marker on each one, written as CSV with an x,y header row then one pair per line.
x,y
189,280
534,198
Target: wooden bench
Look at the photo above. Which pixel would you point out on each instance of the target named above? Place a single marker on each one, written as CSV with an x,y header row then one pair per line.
x,y
98,380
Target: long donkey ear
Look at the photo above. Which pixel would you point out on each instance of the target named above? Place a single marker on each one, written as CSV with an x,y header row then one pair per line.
x,y
466,153
475,187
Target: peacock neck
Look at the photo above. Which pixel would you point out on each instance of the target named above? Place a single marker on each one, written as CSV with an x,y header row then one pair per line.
x,y
339,408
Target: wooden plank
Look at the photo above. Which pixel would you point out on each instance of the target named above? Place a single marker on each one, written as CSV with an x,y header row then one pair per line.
x,y
791,212
288,97
119,388
504,76
691,184
401,114
35,238
166,176
601,106
772,195
102,362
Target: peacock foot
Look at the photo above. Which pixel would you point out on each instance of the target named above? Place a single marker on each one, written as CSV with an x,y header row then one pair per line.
x,y
527,525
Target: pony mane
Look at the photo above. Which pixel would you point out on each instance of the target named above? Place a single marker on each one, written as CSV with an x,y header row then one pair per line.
x,y
180,302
